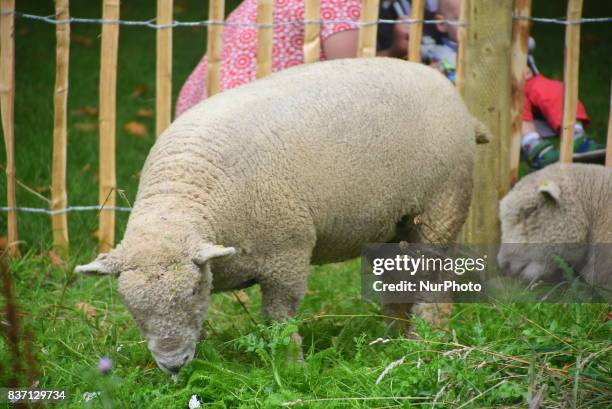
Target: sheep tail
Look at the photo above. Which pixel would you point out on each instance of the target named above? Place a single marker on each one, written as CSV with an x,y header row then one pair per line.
x,y
483,135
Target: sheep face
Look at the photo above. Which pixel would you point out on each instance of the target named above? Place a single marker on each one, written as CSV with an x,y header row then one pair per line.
x,y
168,300
538,222
169,306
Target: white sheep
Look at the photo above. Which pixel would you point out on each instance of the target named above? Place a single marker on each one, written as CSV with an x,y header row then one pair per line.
x,y
302,167
563,210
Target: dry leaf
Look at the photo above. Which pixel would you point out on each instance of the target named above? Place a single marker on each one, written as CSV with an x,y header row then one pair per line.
x,y
89,310
179,9
145,113
87,110
86,41
42,189
86,126
242,296
606,318
86,168
96,234
139,91
135,128
3,242
56,260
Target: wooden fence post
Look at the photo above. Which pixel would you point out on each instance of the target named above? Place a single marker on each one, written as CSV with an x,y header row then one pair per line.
x,y
367,33
7,106
107,118
265,10
416,31
163,81
570,80
487,95
312,41
520,50
214,47
609,138
59,195
461,40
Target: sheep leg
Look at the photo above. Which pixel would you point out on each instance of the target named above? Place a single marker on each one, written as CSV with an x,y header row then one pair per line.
x,y
440,223
282,293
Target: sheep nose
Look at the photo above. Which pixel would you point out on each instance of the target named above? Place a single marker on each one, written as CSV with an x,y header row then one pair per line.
x,y
174,366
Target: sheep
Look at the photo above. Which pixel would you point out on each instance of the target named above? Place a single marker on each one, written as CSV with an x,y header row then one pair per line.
x,y
567,209
303,167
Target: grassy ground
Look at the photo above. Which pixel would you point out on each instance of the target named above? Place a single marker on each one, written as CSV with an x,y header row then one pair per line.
x,y
491,356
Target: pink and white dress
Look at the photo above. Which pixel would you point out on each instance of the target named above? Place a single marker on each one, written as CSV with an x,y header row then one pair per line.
x,y
240,43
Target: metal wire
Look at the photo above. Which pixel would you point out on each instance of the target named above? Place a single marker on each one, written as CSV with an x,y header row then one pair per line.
x,y
50,19
66,210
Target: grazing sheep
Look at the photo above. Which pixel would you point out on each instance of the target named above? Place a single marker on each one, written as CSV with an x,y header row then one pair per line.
x,y
567,209
302,167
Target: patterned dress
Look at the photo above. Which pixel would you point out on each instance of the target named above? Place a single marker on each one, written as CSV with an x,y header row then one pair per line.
x,y
240,43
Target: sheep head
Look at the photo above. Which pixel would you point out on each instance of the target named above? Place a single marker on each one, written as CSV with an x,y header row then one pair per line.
x,y
168,300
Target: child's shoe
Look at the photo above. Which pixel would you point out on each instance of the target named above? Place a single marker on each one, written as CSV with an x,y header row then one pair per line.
x,y
543,154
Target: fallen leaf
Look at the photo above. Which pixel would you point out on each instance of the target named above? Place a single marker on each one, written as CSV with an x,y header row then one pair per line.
x,y
86,41
3,242
96,234
606,318
56,260
242,296
87,110
86,126
179,9
86,168
89,310
42,189
145,113
139,91
135,128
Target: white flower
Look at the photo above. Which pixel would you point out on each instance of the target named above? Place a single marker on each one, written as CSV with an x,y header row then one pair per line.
x,y
87,396
194,402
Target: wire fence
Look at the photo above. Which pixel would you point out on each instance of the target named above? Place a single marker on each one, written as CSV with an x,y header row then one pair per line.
x,y
50,19
65,210
152,23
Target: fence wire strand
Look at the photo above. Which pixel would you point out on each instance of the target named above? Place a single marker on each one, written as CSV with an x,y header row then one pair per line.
x,y
66,210
50,19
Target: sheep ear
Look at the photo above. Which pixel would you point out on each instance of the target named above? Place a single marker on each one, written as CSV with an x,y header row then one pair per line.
x,y
550,189
102,265
209,251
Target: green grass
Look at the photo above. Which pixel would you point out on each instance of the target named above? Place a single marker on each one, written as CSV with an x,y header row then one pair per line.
x,y
491,355
496,355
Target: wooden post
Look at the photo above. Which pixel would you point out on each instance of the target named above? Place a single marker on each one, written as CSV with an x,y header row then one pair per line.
x,y
214,47
416,31
7,106
367,33
570,80
312,41
462,41
163,82
609,138
265,9
107,118
520,50
59,195
487,95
